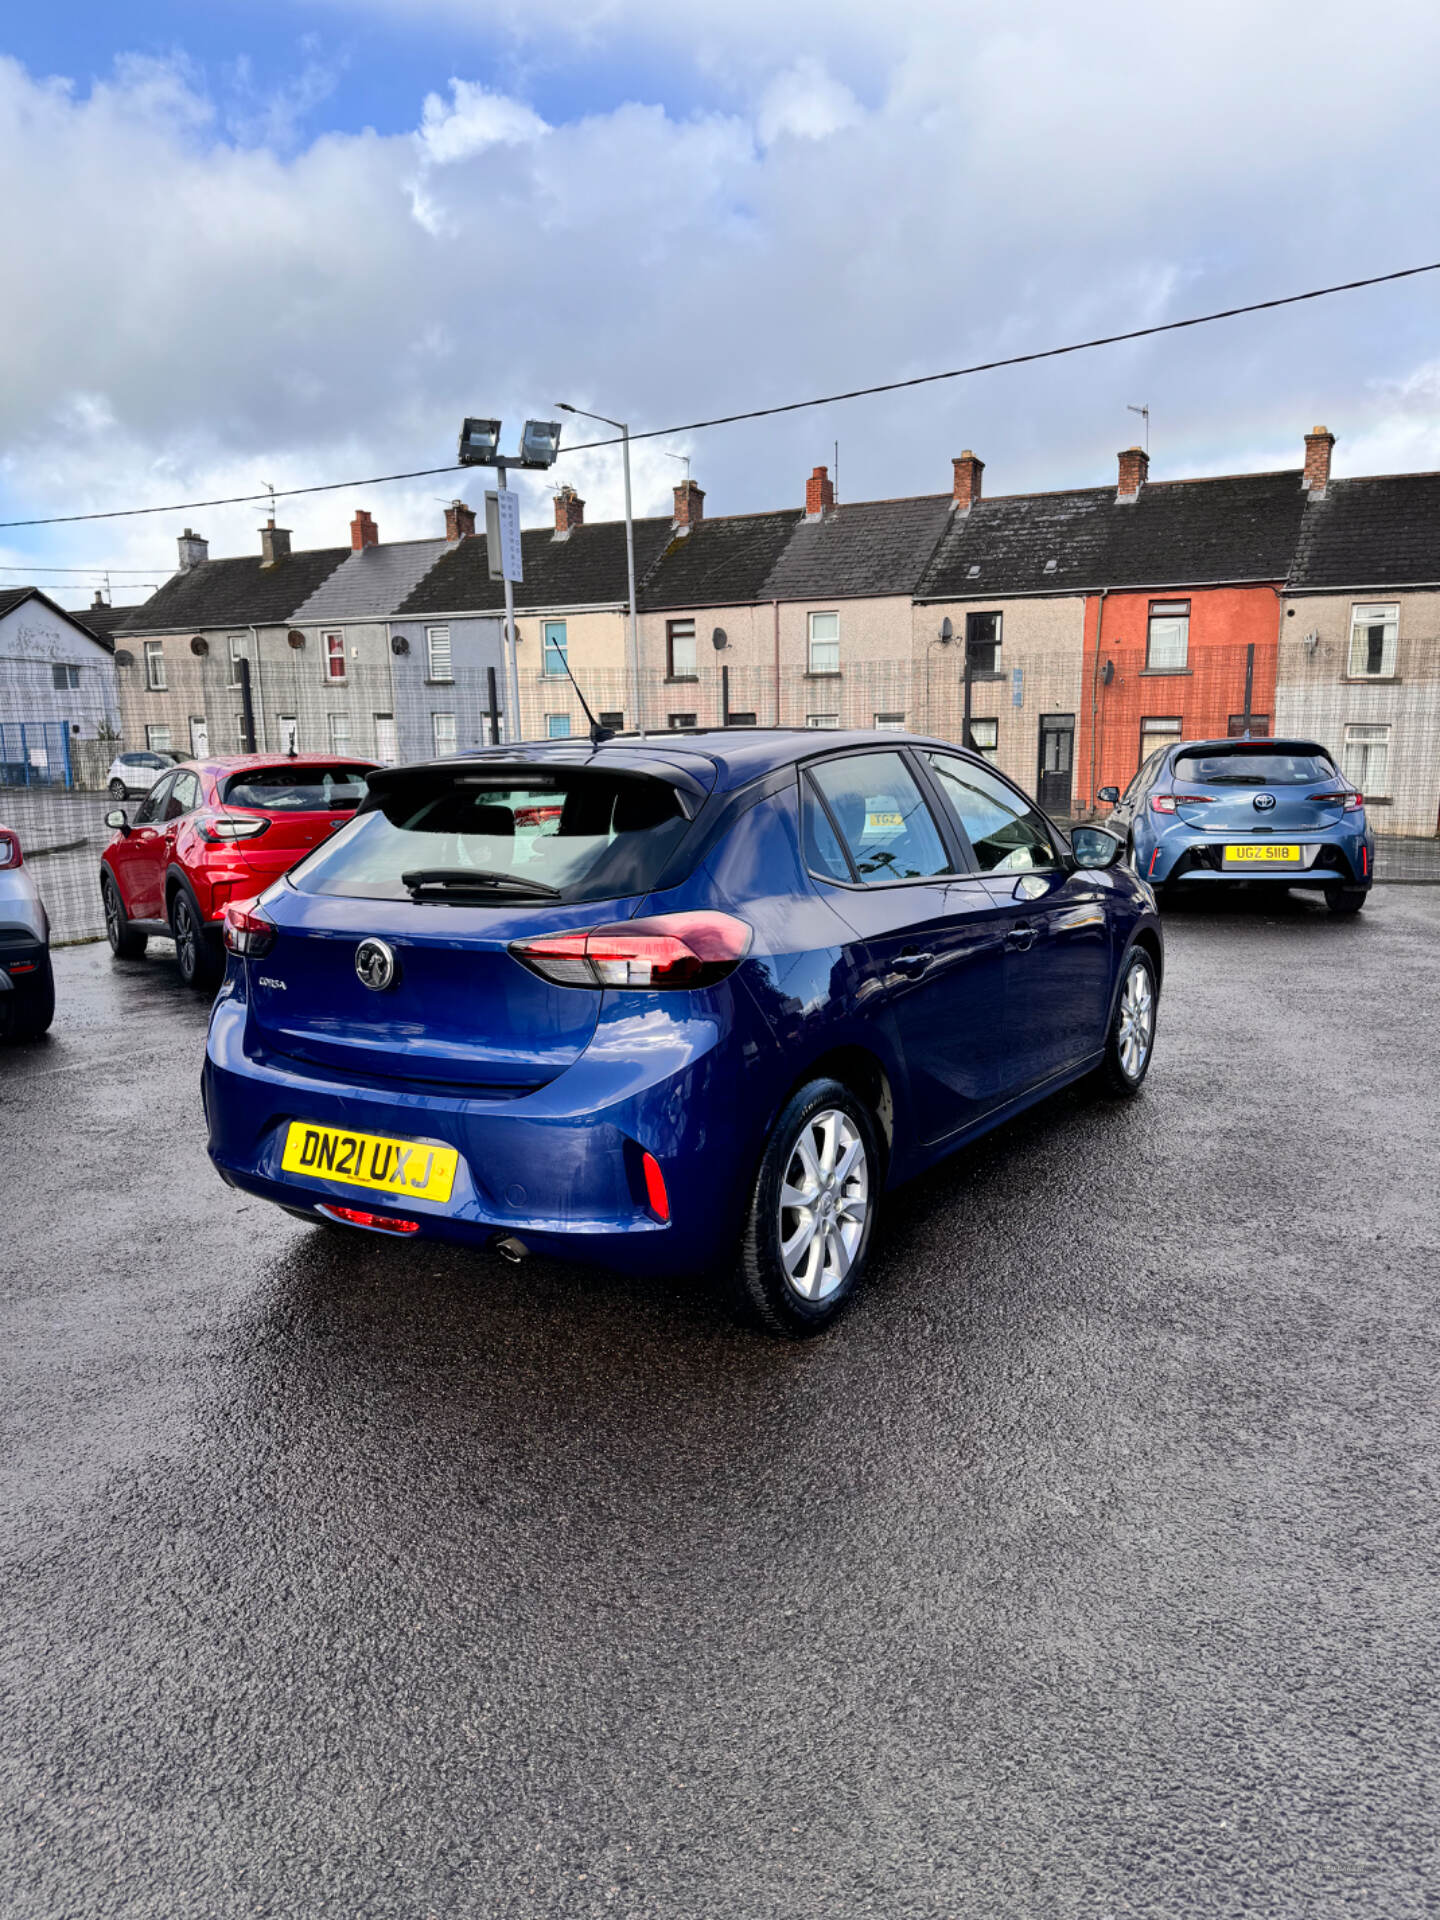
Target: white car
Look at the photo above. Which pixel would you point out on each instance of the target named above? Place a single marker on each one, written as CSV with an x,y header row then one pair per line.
x,y
27,985
137,772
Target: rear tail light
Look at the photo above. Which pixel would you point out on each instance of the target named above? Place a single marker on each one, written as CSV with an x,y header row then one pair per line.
x,y
218,830
1168,802
376,1222
671,950
10,854
247,932
655,1194
1351,802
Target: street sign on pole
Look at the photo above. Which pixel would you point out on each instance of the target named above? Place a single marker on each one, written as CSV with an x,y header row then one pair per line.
x,y
502,536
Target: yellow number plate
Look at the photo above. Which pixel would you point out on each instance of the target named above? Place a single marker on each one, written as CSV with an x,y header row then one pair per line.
x,y
1262,854
370,1160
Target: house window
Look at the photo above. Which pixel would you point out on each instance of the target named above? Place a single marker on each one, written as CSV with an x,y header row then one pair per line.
x,y
442,732
557,726
614,721
157,739
155,665
556,645
1374,634
237,654
822,720
332,647
890,722
1367,759
680,649
679,722
1167,647
982,641
287,726
824,643
1259,726
339,733
1156,735
740,719
437,652
65,677
985,737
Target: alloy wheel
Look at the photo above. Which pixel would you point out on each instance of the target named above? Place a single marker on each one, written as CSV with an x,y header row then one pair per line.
x,y
824,1202
186,952
1137,1020
111,902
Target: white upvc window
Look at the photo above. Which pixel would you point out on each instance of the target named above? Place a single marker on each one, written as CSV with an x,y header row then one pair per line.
x,y
824,643
890,722
985,737
1374,639
553,652
557,726
822,721
442,732
288,729
157,739
236,644
1155,734
339,733
1367,759
437,654
681,662
155,665
332,648
1168,640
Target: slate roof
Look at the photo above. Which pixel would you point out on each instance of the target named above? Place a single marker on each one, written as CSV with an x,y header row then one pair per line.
x,y
103,620
234,593
1178,533
872,547
586,568
1377,532
720,563
370,584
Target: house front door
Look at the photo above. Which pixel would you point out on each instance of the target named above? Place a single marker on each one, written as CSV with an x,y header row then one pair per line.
x,y
1057,756
199,737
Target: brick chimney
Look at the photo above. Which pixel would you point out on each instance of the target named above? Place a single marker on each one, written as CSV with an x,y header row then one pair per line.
x,y
819,495
968,472
274,544
689,504
194,551
569,510
1134,472
459,521
1318,445
363,531
99,600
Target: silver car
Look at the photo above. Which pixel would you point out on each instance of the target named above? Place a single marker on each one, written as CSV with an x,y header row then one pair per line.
x,y
27,985
137,772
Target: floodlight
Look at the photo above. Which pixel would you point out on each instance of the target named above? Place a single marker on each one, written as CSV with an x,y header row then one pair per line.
x,y
478,442
539,443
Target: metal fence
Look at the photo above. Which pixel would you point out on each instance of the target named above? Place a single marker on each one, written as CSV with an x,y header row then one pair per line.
x,y
1060,723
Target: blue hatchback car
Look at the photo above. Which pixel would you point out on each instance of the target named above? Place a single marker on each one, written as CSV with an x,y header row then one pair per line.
x,y
692,1007
1276,811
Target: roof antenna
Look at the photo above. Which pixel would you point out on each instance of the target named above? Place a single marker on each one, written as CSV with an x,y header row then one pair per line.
x,y
836,488
598,734
1146,412
269,487
679,456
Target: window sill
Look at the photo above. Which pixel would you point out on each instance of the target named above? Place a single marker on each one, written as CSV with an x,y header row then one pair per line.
x,y
986,675
1371,680
441,683
1166,673
824,673
682,680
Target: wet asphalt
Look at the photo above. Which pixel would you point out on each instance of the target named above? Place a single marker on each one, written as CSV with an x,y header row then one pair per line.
x,y
1088,1568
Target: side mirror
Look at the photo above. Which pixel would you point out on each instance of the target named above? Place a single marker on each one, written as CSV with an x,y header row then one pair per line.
x,y
1095,846
116,819
1110,795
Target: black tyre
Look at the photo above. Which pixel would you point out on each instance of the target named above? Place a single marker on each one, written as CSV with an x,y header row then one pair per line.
x,y
125,943
1346,899
195,953
117,790
26,1013
808,1226
1131,1040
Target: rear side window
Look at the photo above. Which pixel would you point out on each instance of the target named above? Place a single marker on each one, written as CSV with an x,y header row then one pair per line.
x,y
576,836
307,789
1254,767
1007,834
887,828
823,852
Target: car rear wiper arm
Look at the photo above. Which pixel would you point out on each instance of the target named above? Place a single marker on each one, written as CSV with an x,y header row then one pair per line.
x,y
474,880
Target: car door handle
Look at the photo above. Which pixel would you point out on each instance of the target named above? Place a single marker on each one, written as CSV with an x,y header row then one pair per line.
x,y
1020,939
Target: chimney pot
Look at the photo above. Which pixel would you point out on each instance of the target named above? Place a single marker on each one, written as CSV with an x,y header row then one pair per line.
x,y
819,494
274,544
1134,472
459,521
569,510
194,551
968,472
689,504
363,531
1319,443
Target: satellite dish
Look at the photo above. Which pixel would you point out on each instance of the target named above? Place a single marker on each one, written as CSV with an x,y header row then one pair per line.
x,y
947,631
1107,672
124,657
399,644
296,638
199,645
719,639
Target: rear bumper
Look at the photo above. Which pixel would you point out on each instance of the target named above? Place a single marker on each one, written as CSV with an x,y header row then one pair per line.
x,y
1327,860
560,1169
22,963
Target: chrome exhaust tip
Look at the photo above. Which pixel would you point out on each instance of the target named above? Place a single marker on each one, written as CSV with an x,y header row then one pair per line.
x,y
511,1250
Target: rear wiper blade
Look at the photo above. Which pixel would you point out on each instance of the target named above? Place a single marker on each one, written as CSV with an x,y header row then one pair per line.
x,y
474,880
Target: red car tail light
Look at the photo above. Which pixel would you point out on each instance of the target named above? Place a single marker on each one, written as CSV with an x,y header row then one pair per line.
x,y
247,932
670,950
10,854
377,1222
1352,802
1168,802
221,829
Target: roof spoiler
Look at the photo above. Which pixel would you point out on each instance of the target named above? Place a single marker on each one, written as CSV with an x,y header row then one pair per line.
x,y
480,770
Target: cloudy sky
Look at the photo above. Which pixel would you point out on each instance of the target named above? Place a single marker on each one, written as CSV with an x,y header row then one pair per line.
x,y
296,240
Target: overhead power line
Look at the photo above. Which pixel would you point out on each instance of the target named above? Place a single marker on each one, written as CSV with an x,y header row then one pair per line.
x,y
765,413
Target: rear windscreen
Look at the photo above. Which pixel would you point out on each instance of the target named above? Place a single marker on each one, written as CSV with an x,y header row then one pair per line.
x,y
1255,767
586,836
308,789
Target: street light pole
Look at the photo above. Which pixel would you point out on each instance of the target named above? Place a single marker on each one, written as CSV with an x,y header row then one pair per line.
x,y
512,662
633,636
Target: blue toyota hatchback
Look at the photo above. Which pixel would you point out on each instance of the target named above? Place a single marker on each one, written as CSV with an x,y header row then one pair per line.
x,y
1276,811
689,1006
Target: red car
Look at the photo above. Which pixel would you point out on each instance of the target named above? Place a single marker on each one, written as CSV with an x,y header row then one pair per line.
x,y
213,831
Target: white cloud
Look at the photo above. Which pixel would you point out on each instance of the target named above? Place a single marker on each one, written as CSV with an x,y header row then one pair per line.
x,y
806,103
474,119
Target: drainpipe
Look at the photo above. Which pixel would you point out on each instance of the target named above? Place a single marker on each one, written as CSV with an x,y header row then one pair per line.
x,y
1095,695
776,605
260,743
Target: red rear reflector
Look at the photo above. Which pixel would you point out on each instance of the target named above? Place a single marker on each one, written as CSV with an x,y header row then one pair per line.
x,y
23,966
668,950
247,931
377,1222
655,1188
